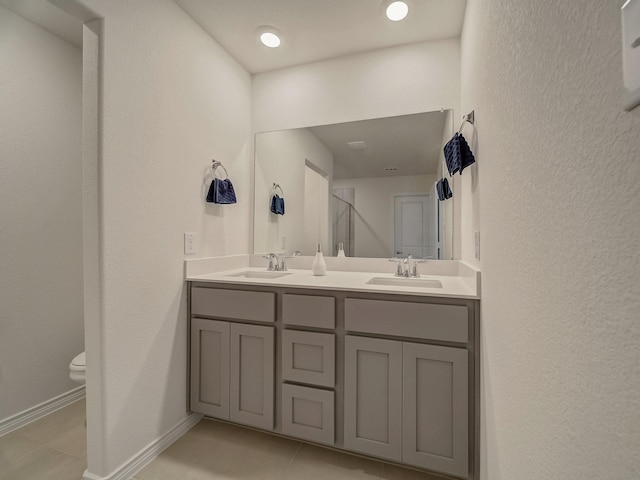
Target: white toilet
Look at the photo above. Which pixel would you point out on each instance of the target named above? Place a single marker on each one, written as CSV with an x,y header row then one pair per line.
x,y
78,368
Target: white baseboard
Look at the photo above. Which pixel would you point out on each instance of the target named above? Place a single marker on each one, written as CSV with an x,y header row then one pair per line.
x,y
151,451
45,408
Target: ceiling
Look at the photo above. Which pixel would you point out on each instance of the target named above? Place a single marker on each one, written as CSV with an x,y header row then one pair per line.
x,y
319,29
312,29
49,17
410,143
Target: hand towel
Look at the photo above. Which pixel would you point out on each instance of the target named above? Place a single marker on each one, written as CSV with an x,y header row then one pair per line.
x,y
221,192
439,190
457,154
443,189
211,195
277,205
446,190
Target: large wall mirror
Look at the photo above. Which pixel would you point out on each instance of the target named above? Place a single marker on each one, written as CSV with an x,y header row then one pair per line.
x,y
368,186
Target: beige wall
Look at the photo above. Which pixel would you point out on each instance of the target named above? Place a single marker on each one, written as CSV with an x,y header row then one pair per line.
x,y
558,175
373,222
172,99
41,319
280,158
356,87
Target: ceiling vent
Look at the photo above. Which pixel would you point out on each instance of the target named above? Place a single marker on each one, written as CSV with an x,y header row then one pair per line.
x,y
357,145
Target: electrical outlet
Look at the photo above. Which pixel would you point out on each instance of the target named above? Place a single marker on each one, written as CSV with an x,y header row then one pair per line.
x,y
190,240
477,242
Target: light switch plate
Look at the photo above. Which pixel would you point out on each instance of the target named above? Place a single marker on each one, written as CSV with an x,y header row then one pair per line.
x,y
631,52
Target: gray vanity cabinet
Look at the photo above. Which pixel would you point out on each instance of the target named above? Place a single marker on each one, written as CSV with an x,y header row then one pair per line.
x,y
435,408
407,402
373,396
233,363
232,371
392,376
308,413
308,359
210,367
251,375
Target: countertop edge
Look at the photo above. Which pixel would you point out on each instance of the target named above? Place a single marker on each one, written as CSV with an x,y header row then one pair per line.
x,y
220,278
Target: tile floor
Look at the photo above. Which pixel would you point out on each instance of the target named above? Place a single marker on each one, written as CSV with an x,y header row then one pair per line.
x,y
54,448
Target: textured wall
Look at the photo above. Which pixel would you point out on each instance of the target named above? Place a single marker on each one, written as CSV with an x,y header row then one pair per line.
x,y
172,100
40,213
559,182
413,78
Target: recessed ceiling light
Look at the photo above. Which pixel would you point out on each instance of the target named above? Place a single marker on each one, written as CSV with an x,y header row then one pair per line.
x,y
396,11
269,39
269,36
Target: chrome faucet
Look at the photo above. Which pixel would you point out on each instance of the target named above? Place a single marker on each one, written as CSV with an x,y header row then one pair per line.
x,y
399,269
282,262
273,262
278,263
408,266
414,271
402,265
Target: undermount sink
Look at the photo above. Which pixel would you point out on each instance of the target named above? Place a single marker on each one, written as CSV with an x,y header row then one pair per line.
x,y
254,274
405,282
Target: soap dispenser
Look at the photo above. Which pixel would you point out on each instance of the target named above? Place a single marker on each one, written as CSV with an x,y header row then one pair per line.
x,y
341,250
319,266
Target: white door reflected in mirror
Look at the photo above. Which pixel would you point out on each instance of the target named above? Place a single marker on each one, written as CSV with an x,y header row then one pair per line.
x,y
414,226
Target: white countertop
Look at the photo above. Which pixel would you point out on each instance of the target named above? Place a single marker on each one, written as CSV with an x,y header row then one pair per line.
x,y
452,286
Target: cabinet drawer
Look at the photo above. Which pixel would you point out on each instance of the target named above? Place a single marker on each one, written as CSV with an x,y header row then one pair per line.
x,y
405,319
308,357
235,304
309,311
308,413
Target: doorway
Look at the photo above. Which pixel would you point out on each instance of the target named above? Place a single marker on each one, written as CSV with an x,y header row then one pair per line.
x,y
414,226
316,210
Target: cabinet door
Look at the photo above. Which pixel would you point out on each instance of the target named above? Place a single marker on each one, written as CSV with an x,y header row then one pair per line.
x,y
210,367
435,408
373,397
252,369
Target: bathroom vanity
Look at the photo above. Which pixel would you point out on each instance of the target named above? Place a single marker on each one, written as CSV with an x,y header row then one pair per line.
x,y
389,371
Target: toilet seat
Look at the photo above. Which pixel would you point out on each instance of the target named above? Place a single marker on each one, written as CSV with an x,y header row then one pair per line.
x,y
79,362
78,368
